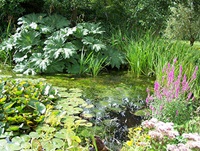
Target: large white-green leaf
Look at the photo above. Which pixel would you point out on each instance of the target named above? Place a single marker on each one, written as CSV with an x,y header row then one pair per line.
x,y
30,18
40,61
22,67
56,66
67,31
97,45
57,21
115,58
27,39
7,45
88,40
66,51
93,43
91,28
19,57
29,71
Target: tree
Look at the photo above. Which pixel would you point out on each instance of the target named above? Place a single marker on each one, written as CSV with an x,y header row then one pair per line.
x,y
184,23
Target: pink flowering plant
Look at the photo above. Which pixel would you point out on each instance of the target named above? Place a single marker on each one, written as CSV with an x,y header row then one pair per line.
x,y
155,135
172,100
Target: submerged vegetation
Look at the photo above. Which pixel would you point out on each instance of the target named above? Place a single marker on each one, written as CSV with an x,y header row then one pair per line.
x,y
92,63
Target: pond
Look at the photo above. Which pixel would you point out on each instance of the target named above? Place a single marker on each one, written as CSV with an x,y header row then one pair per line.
x,y
115,96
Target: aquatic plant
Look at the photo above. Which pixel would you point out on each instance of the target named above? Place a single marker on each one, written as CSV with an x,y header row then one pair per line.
x,y
23,104
172,99
60,128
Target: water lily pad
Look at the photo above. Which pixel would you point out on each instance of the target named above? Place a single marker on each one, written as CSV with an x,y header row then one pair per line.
x,y
25,138
87,115
57,143
141,112
13,147
3,142
48,146
61,89
36,144
25,145
16,139
76,90
34,135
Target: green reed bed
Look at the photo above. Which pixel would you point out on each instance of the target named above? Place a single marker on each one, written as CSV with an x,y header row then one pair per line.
x,y
148,55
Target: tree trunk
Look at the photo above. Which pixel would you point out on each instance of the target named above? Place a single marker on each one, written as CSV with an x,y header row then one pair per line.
x,y
192,41
74,16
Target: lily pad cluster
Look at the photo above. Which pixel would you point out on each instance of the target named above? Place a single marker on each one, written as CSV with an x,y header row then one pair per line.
x,y
59,128
23,104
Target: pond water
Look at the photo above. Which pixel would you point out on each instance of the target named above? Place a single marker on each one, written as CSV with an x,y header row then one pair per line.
x,y
115,96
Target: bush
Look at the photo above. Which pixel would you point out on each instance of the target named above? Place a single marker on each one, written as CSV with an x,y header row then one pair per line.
x,y
46,44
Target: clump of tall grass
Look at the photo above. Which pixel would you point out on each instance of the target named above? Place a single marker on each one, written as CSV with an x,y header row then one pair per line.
x,y
148,54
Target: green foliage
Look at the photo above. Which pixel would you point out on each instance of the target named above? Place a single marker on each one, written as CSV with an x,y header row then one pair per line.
x,y
23,104
172,100
183,23
146,15
148,54
157,135
59,128
44,44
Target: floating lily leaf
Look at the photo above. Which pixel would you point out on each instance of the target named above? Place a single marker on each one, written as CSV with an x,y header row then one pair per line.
x,y
16,139
36,144
26,145
48,146
86,115
68,121
61,134
13,147
25,138
141,112
81,122
57,143
34,135
76,90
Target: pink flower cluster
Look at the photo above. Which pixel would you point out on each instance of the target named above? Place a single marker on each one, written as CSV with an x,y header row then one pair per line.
x,y
159,130
193,140
179,147
170,87
194,143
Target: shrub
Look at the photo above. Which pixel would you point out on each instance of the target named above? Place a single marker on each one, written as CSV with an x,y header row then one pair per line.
x,y
46,44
